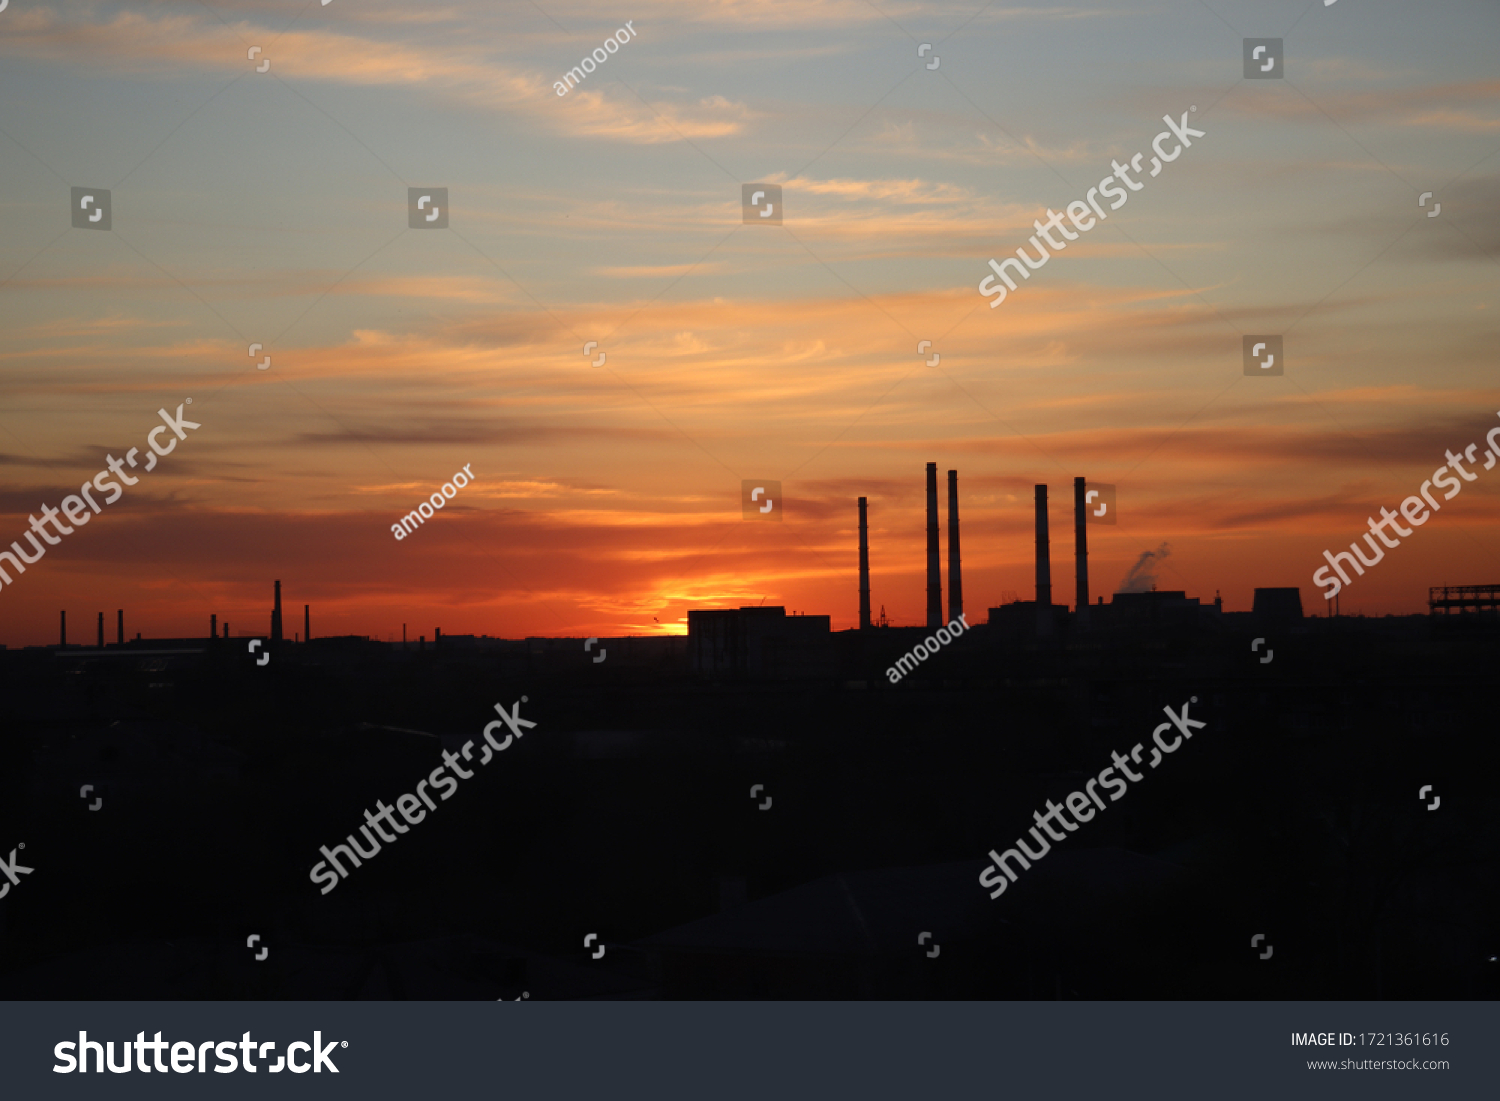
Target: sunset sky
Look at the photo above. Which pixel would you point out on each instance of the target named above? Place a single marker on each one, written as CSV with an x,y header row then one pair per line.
x,y
270,208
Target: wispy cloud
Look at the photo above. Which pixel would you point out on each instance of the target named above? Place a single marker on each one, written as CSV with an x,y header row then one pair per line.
x,y
465,72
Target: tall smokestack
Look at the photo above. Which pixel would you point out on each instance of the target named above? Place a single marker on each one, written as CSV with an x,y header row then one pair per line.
x,y
213,625
934,570
101,630
1043,566
64,628
120,626
1081,552
864,564
955,574
307,623
276,616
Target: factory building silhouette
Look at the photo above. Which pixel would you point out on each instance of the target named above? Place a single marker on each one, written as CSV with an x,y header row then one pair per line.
x,y
766,642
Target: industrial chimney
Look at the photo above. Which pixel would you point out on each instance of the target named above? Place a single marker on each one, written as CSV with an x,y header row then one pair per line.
x,y
276,617
1081,552
213,625
64,629
101,630
1043,567
307,623
934,574
120,626
955,574
864,564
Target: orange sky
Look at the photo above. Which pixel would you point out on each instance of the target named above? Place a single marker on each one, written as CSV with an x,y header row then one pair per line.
x,y
270,208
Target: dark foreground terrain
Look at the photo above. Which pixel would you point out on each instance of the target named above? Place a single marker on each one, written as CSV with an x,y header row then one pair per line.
x,y
627,813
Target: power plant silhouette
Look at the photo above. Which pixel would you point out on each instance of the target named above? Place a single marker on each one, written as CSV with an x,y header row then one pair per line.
x,y
765,641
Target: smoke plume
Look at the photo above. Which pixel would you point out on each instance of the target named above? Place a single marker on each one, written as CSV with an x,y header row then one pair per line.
x,y
1142,576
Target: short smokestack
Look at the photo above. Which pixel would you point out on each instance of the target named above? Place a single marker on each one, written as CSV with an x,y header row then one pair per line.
x,y
1043,566
1081,551
276,616
226,628
64,629
864,563
307,623
934,574
101,630
120,626
437,637
955,573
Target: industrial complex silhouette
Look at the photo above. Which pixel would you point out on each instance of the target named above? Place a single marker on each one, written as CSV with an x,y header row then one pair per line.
x,y
754,810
